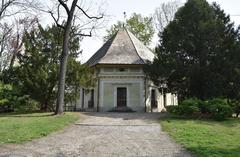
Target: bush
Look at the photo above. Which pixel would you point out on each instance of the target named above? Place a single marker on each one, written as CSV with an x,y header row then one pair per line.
x,y
235,104
203,107
188,107
11,99
26,104
5,97
172,109
219,109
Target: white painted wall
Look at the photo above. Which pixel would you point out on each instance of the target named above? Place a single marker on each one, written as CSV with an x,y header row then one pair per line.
x,y
171,99
135,93
134,80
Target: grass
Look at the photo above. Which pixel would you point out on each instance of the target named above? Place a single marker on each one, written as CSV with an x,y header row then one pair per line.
x,y
18,128
204,137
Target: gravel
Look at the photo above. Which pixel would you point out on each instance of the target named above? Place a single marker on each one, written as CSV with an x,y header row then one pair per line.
x,y
103,135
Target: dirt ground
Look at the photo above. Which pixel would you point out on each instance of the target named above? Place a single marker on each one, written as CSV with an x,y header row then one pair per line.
x,y
103,135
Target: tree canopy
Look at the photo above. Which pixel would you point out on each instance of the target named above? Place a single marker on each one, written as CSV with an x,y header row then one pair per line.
x,y
37,73
142,27
198,52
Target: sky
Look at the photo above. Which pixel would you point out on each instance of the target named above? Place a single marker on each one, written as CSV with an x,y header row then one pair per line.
x,y
115,8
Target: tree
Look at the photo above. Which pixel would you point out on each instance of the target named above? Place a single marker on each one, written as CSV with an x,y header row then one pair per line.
x,y
196,50
13,23
5,35
39,64
5,5
164,14
141,27
13,7
67,26
12,40
78,76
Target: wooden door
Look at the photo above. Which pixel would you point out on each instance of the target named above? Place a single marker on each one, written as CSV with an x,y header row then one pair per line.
x,y
121,96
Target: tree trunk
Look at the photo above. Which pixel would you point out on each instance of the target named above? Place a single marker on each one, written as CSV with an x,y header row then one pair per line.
x,y
62,73
64,59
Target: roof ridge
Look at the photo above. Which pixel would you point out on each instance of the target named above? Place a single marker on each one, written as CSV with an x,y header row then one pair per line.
x,y
111,39
134,46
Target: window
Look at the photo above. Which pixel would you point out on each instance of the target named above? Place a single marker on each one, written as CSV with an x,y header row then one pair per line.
x,y
122,69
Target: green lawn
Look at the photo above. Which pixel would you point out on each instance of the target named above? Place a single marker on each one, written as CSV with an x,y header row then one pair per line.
x,y
17,128
206,138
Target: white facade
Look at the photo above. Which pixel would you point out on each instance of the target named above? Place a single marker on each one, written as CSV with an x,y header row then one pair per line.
x,y
121,82
139,90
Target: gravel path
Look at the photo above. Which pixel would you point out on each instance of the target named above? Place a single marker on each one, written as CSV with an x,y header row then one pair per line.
x,y
103,135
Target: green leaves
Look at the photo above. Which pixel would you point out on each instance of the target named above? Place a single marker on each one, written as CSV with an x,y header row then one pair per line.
x,y
39,66
141,27
197,52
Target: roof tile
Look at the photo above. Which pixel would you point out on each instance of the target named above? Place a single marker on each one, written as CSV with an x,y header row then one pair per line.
x,y
122,48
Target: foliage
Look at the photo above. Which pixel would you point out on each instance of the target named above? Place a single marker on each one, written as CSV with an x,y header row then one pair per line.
x,y
164,14
235,104
172,109
219,109
205,138
38,66
188,107
37,73
25,104
11,99
216,108
18,128
5,94
141,27
196,52
78,76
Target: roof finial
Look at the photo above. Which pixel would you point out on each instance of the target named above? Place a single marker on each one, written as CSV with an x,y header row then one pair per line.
x,y
124,19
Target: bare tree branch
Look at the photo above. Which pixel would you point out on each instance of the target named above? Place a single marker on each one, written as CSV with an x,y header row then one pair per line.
x,y
86,35
56,20
5,6
64,6
165,14
69,27
90,17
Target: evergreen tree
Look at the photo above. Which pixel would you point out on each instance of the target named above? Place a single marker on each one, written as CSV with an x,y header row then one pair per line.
x,y
38,68
196,51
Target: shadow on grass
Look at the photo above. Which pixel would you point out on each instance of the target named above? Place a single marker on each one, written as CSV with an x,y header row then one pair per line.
x,y
230,122
215,151
27,114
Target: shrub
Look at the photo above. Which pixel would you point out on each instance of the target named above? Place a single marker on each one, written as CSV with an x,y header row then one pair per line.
x,y
202,105
188,107
219,109
26,104
216,108
235,104
172,109
12,99
5,97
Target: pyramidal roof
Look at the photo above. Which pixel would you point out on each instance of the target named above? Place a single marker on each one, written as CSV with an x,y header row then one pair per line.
x,y
122,48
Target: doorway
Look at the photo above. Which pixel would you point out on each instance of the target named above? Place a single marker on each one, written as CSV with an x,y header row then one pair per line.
x,y
121,97
153,99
